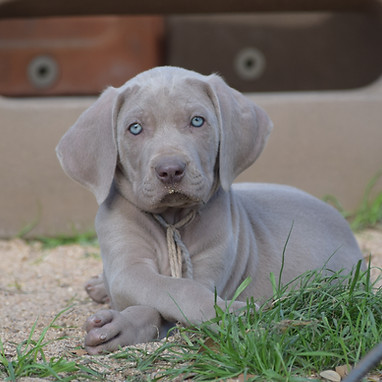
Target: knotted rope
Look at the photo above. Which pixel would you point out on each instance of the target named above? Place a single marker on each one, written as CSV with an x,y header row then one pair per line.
x,y
177,251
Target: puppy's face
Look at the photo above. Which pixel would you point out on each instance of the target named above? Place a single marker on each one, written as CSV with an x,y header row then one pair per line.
x,y
167,140
158,138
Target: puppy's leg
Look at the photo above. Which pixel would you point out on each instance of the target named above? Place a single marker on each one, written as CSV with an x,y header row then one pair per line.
x,y
107,330
95,288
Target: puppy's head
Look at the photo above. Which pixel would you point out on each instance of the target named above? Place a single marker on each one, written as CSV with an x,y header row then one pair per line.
x,y
168,138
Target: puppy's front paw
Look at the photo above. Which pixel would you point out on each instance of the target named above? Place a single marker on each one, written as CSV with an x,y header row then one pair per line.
x,y
108,330
95,288
103,332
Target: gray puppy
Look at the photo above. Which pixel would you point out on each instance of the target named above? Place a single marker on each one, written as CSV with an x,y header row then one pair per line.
x,y
160,154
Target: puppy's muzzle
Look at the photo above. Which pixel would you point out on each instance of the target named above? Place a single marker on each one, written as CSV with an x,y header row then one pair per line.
x,y
170,170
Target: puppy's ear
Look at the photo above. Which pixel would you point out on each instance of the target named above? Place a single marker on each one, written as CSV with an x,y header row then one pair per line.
x,y
244,130
87,152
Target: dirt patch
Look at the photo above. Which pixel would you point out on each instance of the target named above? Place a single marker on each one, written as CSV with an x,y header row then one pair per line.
x,y
370,241
37,283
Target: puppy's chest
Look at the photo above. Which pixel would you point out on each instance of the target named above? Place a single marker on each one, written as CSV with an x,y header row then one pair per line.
x,y
208,252
191,248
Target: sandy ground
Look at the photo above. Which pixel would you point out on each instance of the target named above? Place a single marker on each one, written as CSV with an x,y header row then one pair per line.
x,y
36,284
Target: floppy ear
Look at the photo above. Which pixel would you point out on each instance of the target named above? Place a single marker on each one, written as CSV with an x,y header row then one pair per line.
x,y
244,130
87,151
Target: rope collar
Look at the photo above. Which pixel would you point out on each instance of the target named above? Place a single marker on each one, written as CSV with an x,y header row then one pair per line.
x,y
177,251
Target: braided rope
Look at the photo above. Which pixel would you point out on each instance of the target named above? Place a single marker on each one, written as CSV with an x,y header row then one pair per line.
x,y
177,251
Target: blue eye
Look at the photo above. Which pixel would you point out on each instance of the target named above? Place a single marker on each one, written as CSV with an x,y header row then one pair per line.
x,y
135,128
197,121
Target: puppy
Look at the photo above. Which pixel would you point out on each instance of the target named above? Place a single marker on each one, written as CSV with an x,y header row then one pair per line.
x,y
160,154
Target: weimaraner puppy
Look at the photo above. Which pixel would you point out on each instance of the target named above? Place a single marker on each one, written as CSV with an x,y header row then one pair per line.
x,y
160,154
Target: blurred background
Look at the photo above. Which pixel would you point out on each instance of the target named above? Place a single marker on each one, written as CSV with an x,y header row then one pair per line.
x,y
317,72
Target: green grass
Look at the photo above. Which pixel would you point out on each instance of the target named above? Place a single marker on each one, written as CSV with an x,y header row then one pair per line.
x,y
30,360
88,238
320,320
85,238
329,320
369,213
82,238
324,320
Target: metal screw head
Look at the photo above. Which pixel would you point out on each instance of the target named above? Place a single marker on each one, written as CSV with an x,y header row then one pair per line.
x,y
250,64
42,72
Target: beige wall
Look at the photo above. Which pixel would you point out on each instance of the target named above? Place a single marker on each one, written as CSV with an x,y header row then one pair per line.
x,y
323,142
33,186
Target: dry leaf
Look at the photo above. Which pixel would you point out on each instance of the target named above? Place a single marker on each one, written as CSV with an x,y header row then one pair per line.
x,y
80,352
330,375
211,344
241,378
285,324
374,378
343,370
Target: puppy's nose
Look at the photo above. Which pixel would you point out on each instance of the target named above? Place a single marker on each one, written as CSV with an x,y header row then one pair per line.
x,y
170,170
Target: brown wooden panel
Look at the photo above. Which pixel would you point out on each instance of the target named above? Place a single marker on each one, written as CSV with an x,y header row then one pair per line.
x,y
60,56
280,51
38,8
